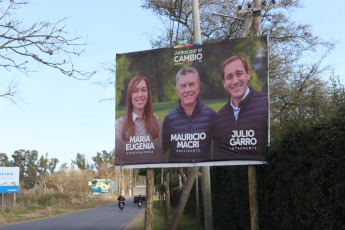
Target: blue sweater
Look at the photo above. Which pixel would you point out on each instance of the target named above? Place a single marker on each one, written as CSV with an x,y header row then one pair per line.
x,y
189,138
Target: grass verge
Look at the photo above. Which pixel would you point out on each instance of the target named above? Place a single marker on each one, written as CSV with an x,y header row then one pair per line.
x,y
38,212
186,222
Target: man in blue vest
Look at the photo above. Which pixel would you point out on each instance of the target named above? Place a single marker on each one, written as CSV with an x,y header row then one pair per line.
x,y
187,130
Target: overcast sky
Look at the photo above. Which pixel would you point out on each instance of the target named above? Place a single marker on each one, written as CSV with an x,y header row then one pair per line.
x,y
63,116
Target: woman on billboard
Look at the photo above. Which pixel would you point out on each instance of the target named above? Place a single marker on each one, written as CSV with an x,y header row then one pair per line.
x,y
138,137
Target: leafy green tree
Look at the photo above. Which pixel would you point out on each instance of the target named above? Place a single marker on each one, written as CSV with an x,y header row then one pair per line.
x,y
31,170
19,161
63,167
103,157
4,162
27,161
52,163
81,163
47,166
43,165
104,164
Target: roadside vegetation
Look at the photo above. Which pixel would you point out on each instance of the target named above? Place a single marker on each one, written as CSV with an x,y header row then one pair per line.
x,y
33,204
45,191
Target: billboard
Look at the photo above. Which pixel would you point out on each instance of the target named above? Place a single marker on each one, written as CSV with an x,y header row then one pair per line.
x,y
9,179
197,104
100,185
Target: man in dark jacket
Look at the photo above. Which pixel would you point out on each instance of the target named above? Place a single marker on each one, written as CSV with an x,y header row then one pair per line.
x,y
121,198
187,130
241,126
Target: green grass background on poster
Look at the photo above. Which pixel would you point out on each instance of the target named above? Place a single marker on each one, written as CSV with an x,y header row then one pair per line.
x,y
159,67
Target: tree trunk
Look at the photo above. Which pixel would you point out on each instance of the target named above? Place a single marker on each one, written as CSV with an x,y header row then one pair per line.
x,y
167,196
183,176
183,199
206,189
149,199
253,199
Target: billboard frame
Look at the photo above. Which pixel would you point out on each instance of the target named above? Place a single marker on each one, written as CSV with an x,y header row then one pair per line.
x,y
222,162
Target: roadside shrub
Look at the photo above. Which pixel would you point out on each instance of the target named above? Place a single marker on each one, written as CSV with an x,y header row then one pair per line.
x,y
45,200
303,185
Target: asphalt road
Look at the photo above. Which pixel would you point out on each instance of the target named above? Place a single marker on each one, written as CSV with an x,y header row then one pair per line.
x,y
107,217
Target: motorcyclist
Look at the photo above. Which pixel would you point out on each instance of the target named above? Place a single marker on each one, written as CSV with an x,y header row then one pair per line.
x,y
140,199
121,198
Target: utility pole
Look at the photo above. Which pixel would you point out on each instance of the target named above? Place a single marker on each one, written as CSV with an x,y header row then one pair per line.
x,y
205,180
255,15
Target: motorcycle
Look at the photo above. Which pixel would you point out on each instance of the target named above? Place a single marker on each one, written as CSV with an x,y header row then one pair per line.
x,y
121,205
139,204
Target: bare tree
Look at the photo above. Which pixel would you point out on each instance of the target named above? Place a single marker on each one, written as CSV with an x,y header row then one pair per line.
x,y
110,67
42,42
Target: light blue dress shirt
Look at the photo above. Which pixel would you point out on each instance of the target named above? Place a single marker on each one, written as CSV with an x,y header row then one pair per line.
x,y
237,109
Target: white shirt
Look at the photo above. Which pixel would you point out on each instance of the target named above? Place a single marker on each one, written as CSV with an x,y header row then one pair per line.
x,y
134,116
